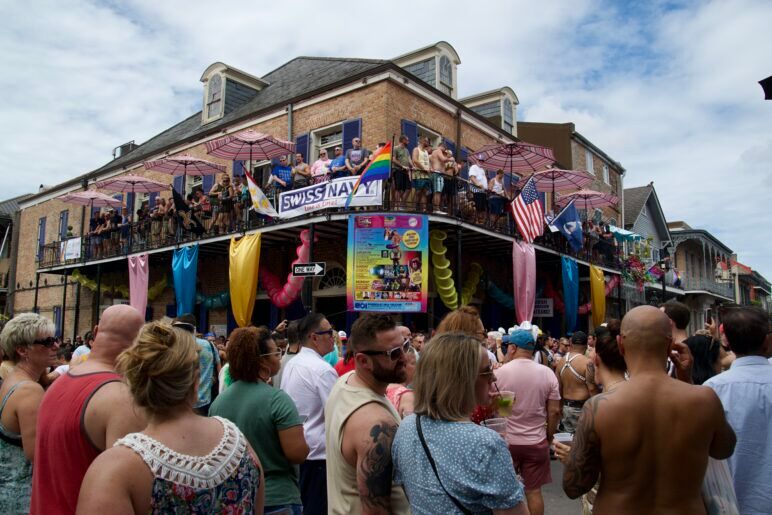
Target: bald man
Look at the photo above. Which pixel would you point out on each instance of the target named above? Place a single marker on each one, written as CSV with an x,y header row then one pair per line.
x,y
83,413
651,435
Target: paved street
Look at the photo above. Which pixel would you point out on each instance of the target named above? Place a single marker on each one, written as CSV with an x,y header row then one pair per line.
x,y
555,501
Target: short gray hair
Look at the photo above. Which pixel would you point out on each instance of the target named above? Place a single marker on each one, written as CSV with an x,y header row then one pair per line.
x,y
22,330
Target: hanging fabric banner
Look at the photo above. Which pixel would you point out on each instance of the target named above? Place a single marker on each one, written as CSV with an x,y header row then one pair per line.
x,y
139,272
597,295
244,263
570,291
184,268
524,275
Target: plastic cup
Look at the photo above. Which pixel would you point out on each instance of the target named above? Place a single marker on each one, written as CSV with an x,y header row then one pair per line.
x,y
564,438
497,424
504,403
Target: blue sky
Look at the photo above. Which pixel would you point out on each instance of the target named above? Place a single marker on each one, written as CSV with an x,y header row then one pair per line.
x,y
669,89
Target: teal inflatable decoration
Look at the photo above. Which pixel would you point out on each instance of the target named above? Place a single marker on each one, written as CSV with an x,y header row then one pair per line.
x,y
501,297
214,301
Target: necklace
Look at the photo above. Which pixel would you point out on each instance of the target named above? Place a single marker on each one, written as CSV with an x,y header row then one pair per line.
x,y
607,388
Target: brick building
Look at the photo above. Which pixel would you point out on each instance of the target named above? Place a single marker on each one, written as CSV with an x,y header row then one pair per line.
x,y
318,103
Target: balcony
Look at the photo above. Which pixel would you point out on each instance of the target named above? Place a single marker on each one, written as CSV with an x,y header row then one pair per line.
x,y
695,284
165,231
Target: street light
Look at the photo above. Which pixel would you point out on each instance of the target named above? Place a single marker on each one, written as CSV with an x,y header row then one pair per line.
x,y
664,266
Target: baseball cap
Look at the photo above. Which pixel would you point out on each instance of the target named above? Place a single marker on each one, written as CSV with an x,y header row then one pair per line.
x,y
342,335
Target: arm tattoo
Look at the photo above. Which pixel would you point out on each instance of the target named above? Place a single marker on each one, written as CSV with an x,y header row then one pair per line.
x,y
584,462
590,373
375,469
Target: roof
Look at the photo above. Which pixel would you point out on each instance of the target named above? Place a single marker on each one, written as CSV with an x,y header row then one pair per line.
x,y
439,44
635,199
293,79
10,206
489,93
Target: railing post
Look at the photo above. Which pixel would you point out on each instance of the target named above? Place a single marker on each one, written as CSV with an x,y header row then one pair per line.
x,y
64,301
37,283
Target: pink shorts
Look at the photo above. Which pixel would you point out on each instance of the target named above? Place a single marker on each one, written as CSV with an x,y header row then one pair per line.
x,y
532,462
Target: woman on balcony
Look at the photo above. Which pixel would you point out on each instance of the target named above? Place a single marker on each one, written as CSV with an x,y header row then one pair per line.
x,y
497,198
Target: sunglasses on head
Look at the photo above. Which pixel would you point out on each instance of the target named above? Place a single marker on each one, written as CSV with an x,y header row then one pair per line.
x,y
328,332
393,354
46,342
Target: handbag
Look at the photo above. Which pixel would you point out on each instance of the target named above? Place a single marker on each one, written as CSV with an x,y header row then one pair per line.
x,y
718,489
434,468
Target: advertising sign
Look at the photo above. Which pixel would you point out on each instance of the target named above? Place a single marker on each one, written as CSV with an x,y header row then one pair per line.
x,y
542,308
387,256
328,195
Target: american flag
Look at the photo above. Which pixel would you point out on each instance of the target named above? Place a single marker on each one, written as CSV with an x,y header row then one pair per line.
x,y
528,212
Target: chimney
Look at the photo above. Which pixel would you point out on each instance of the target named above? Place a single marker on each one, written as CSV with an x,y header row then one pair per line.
x,y
124,149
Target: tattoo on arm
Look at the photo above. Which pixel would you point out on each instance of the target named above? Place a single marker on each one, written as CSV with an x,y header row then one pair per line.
x,y
584,462
375,469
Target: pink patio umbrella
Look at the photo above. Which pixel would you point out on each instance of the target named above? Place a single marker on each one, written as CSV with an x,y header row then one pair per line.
x,y
250,145
588,199
556,179
91,198
513,158
184,165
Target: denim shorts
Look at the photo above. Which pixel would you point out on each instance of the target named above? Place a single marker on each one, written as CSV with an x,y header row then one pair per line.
x,y
422,184
438,182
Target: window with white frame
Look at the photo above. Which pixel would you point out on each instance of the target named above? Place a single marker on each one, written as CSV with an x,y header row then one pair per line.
x,y
192,182
214,93
588,160
509,122
606,178
434,137
326,138
446,75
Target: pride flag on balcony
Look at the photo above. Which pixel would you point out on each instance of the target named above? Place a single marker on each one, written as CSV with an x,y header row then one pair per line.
x,y
378,170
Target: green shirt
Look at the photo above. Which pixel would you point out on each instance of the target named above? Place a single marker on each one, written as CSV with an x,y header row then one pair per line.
x,y
260,412
402,157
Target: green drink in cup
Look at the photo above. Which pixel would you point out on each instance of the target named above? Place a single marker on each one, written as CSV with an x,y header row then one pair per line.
x,y
504,402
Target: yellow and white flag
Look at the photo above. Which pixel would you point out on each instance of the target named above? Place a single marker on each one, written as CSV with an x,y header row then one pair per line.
x,y
260,202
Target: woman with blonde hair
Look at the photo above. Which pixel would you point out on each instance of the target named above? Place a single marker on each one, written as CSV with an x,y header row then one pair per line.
x,y
181,462
29,340
445,463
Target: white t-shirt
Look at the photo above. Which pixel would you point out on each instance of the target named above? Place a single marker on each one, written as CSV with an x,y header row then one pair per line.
x,y
62,369
479,174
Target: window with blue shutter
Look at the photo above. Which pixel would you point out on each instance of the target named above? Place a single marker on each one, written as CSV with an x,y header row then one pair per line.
x,y
153,197
351,129
177,184
450,146
301,146
41,237
207,183
464,173
410,129
63,221
238,168
58,321
130,207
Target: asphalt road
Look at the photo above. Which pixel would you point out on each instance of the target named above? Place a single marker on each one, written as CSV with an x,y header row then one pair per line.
x,y
555,501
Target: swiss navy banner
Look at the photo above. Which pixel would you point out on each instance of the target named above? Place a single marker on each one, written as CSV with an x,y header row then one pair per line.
x,y
328,195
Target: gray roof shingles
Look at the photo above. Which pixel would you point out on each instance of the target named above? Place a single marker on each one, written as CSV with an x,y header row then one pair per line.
x,y
10,206
635,198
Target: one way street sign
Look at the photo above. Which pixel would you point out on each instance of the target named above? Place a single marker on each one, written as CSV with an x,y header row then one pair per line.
x,y
309,269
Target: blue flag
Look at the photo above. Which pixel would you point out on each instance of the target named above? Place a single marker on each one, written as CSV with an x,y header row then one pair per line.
x,y
570,226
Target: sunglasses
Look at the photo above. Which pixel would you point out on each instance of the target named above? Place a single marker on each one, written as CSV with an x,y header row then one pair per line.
x,y
328,332
274,353
393,354
487,373
46,342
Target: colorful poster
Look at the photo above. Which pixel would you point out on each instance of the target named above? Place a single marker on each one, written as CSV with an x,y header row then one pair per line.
x,y
328,195
387,256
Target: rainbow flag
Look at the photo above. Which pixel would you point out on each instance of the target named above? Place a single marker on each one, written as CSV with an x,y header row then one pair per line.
x,y
378,170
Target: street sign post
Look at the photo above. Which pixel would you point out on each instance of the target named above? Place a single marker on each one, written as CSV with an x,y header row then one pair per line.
x,y
309,269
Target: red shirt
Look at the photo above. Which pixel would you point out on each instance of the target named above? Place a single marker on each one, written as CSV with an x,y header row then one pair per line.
x,y
63,451
343,368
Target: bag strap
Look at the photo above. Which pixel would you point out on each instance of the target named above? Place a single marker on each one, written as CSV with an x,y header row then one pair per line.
x,y
434,468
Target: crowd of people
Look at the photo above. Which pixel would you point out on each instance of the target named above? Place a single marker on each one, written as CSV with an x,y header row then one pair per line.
x,y
303,418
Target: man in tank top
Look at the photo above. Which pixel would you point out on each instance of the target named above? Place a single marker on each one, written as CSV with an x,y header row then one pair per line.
x,y
360,422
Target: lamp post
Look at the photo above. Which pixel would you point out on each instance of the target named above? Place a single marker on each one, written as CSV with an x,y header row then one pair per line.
x,y
664,266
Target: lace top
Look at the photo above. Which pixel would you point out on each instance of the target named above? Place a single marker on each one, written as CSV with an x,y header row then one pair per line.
x,y
226,479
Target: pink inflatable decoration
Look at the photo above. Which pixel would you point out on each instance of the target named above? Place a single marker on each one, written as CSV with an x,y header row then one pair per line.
x,y
583,310
283,295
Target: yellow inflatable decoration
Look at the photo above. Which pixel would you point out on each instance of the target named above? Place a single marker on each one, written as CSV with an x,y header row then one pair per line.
x,y
244,264
443,275
597,295
123,290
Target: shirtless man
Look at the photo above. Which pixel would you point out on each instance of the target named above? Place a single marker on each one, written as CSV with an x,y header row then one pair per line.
x,y
652,435
422,183
576,377
438,159
83,413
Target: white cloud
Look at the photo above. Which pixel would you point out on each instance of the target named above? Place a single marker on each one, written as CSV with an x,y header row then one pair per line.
x,y
667,89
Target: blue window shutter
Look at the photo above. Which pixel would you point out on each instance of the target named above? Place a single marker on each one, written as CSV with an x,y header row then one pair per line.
x,y
177,184
58,321
130,207
63,221
410,129
238,168
301,146
207,183
41,236
153,197
464,173
351,129
450,145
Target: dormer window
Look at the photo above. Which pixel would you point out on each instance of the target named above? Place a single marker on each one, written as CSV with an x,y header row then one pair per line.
x,y
446,75
214,97
509,123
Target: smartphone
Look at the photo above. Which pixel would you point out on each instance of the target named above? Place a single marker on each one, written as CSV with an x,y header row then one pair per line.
x,y
709,316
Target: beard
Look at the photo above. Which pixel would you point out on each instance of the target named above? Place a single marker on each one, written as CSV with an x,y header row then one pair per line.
x,y
395,374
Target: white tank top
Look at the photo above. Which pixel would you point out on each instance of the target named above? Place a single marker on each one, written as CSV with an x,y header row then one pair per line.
x,y
423,158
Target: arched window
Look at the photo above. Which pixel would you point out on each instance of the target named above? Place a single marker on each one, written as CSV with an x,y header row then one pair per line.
x,y
214,97
509,123
446,75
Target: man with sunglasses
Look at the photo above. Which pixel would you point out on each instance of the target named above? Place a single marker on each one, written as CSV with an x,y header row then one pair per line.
x,y
360,421
308,380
